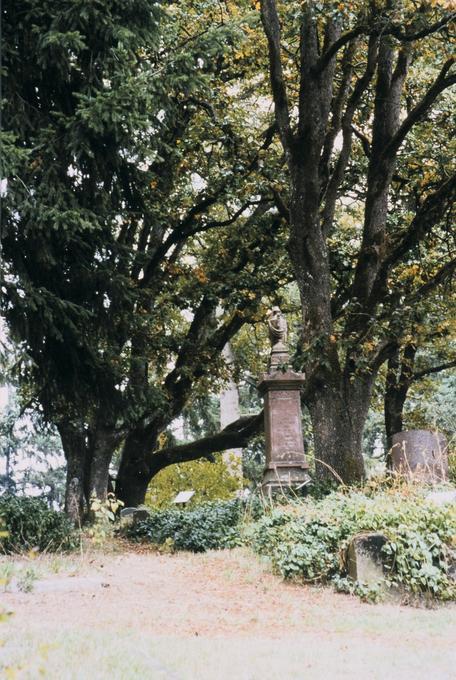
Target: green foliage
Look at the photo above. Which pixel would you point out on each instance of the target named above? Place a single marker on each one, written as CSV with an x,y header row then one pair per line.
x,y
107,191
206,527
308,541
254,460
135,201
105,511
30,524
103,516
27,579
452,464
210,481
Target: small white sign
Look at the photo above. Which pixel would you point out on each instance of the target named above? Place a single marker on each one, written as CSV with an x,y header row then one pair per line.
x,y
184,496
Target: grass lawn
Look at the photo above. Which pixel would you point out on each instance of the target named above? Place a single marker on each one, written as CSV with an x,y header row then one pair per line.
x,y
217,615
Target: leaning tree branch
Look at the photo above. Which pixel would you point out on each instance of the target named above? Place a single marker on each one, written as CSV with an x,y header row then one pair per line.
x,y
433,369
431,211
332,50
235,435
443,275
398,33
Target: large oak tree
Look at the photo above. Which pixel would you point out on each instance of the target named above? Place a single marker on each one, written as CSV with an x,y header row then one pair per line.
x,y
359,93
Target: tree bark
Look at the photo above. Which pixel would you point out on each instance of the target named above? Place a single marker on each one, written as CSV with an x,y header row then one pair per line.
x,y
103,443
399,377
134,472
75,449
338,420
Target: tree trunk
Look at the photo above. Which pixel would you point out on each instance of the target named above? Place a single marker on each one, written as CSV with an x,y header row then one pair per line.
x,y
338,419
75,449
103,445
134,472
399,377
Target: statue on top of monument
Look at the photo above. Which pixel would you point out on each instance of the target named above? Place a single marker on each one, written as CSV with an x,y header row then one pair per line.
x,y
277,325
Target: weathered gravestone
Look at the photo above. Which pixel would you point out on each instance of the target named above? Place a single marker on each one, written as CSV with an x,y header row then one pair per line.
x,y
131,515
420,455
286,464
364,558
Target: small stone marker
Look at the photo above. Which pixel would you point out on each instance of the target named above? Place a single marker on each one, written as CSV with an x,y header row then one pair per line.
x,y
130,515
141,515
183,497
364,558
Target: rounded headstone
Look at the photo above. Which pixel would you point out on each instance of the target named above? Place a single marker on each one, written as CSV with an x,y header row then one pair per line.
x,y
420,454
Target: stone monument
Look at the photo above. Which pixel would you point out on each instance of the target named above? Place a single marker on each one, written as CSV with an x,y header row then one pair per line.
x,y
286,464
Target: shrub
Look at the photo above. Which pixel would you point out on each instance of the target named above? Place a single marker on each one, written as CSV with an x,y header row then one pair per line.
x,y
30,524
210,481
308,541
212,525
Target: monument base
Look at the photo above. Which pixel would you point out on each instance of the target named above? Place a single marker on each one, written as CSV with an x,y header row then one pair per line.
x,y
284,477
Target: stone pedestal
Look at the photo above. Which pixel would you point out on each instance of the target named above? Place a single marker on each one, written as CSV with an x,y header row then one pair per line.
x,y
286,464
421,455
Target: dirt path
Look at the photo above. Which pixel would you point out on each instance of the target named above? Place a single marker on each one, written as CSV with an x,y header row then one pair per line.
x,y
219,615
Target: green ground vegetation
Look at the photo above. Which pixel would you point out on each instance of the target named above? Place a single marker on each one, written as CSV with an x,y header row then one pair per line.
x,y
306,540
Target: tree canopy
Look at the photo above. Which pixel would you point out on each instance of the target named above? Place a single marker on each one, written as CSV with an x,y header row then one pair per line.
x,y
135,220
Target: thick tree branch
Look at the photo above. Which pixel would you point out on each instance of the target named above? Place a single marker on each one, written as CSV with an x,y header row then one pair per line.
x,y
384,351
390,80
396,31
337,108
204,335
190,225
198,332
235,435
336,178
443,275
430,212
332,50
281,206
365,141
433,369
271,24
396,299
